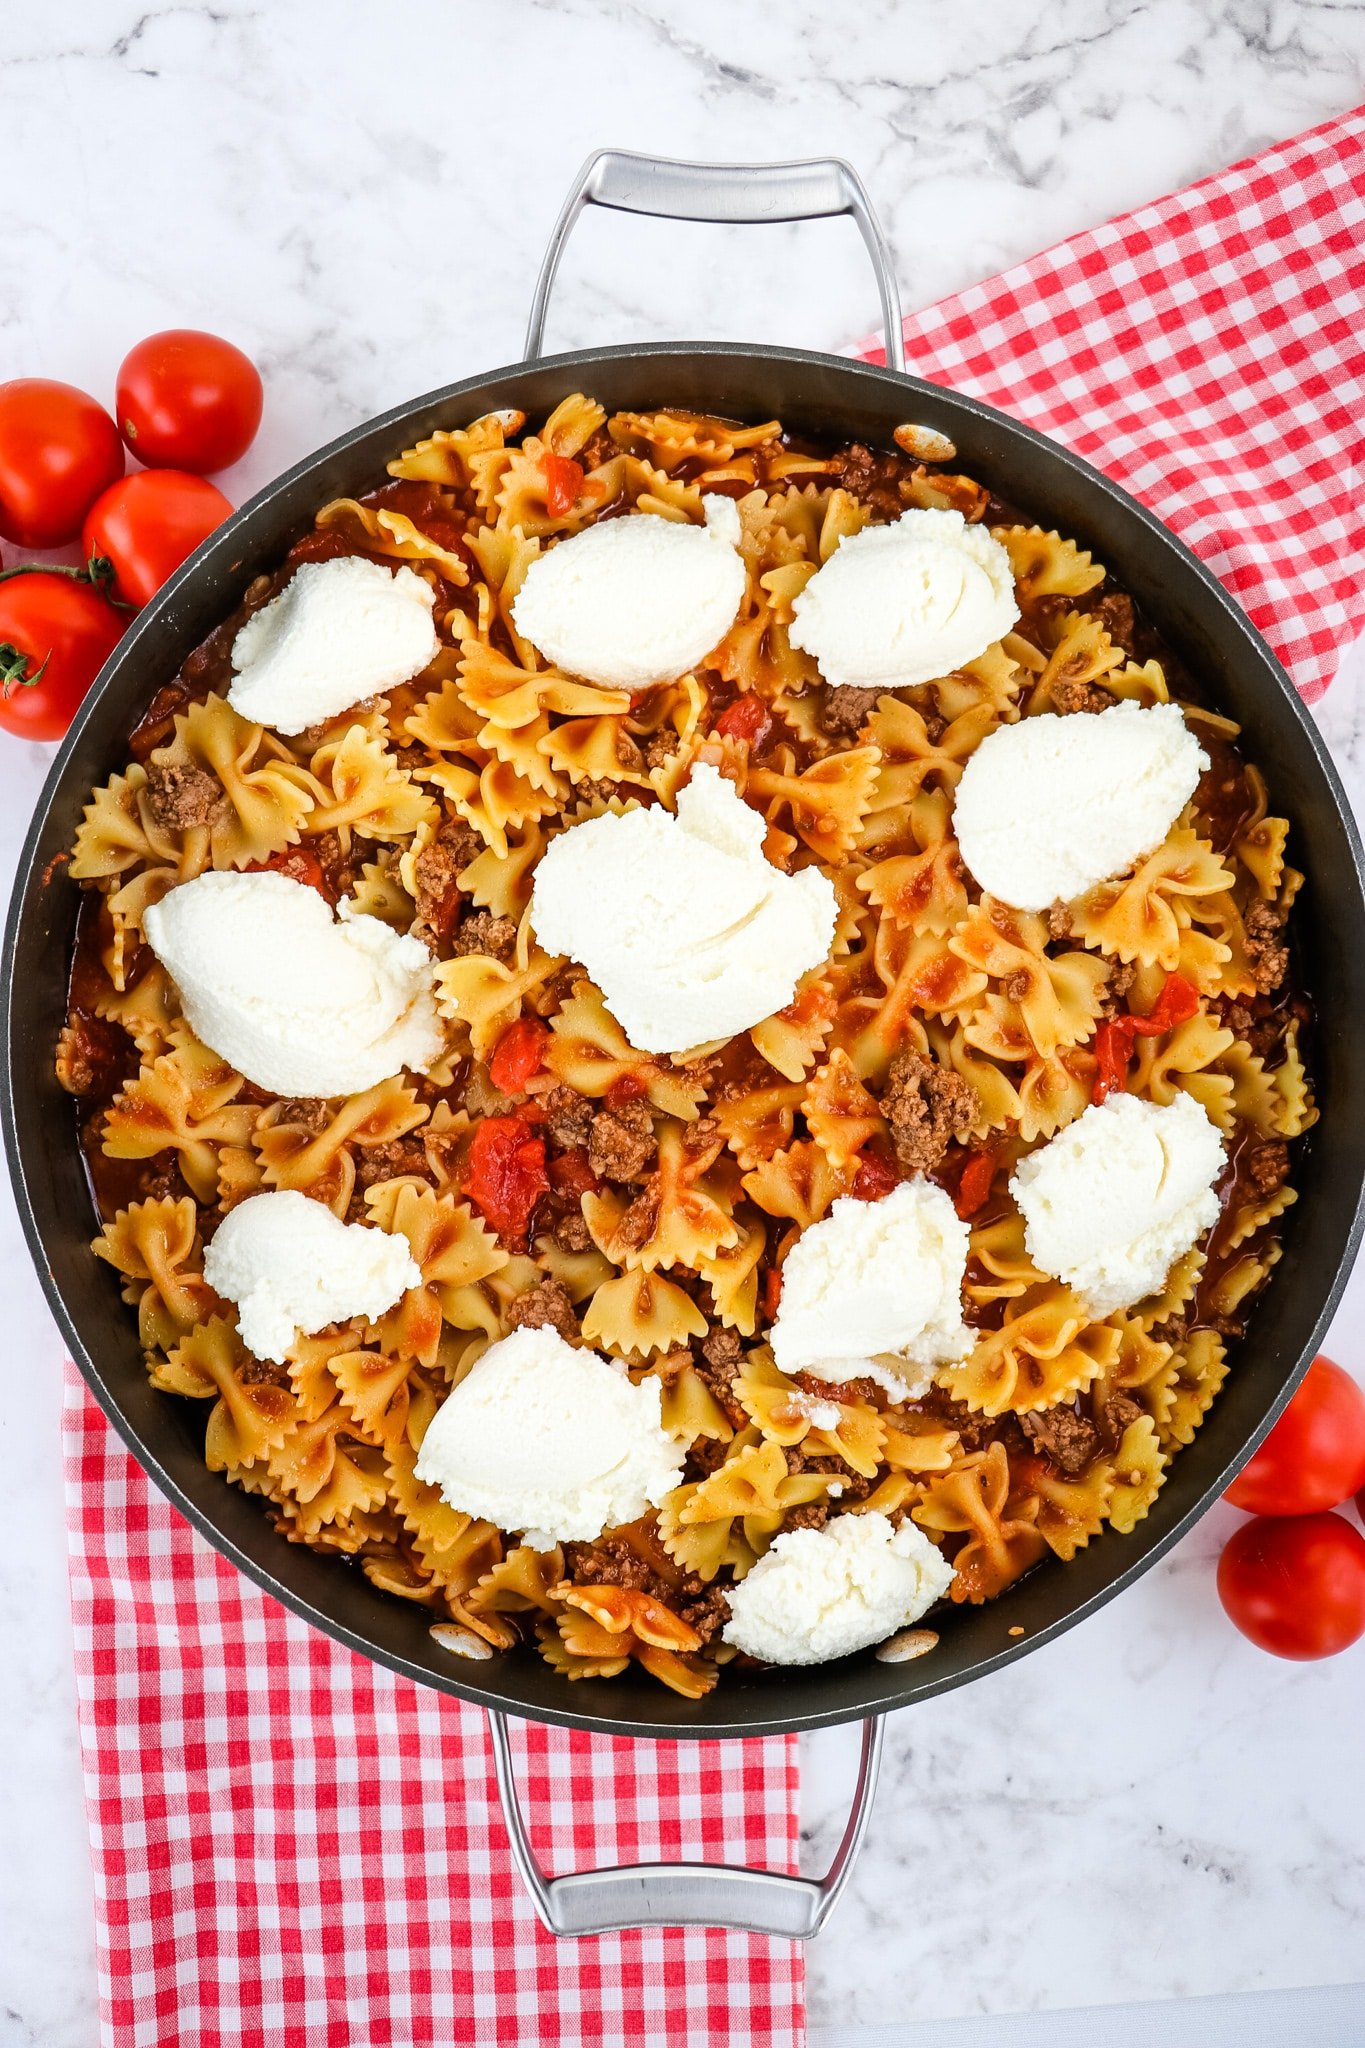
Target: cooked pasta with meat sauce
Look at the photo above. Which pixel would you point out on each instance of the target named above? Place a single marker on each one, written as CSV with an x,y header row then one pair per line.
x,y
945,1036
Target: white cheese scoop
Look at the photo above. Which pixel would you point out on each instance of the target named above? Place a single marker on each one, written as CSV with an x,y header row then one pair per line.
x,y
874,1291
907,602
822,1593
292,1267
552,1439
635,601
687,928
338,632
1116,1197
299,1002
1048,808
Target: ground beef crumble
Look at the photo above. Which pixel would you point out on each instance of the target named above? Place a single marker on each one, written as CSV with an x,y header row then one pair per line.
x,y
568,1117
436,872
662,748
182,797
1059,925
717,1364
1122,975
1114,1417
873,476
1267,953
621,1143
569,1229
482,932
1115,614
1068,1440
392,1160
1268,1166
1070,695
546,1305
308,1110
925,1104
614,1561
845,710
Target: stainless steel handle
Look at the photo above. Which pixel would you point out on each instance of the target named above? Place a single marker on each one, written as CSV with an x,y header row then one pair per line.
x,y
812,188
685,1894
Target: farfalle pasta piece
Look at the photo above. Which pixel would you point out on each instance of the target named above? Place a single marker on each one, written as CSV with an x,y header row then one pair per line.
x,y
186,1101
840,1114
679,1218
760,1121
791,1039
826,1426
597,1622
925,890
675,438
913,756
445,457
1046,1351
308,1148
639,1314
267,794
799,1183
1200,1368
392,533
826,803
999,1267
157,1241
251,1417
1070,1511
1053,1093
1046,565
975,1499
1298,1112
1190,1059
1081,653
362,788
590,1053
730,1518
486,995
732,1276
117,830
1138,1469
1043,1003
598,749
1137,918
504,693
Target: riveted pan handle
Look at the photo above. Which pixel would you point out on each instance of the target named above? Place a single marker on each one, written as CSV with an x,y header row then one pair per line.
x,y
812,188
685,1894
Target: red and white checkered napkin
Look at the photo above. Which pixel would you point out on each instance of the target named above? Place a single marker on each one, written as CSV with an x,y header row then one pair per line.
x,y
1208,353
292,1847
295,1849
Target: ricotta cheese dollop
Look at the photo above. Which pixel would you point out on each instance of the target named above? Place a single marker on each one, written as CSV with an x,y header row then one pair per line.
x,y
338,632
822,1593
1051,806
300,1002
292,1267
635,601
874,1291
1113,1200
906,603
552,1439
687,928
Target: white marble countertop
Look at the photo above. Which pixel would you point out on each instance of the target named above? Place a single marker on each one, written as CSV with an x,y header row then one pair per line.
x,y
1147,1809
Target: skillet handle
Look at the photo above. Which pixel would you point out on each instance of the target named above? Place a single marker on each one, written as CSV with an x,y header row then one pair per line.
x,y
811,188
686,1894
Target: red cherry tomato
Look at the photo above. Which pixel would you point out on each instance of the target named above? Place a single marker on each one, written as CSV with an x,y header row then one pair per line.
x,y
58,451
1314,1457
517,1055
188,400
505,1174
148,523
1177,1003
571,1173
628,1087
1296,1585
55,637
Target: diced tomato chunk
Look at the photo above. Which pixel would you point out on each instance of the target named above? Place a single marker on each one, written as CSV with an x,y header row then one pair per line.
x,y
626,1088
301,864
1177,1003
518,1055
876,1176
772,1292
748,718
563,482
975,1184
505,1174
571,1173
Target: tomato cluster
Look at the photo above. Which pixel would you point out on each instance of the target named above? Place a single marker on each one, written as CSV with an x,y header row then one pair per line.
x,y
186,403
1293,1580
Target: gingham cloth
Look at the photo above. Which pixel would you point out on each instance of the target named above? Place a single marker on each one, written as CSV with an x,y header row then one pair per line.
x,y
1208,353
292,1847
295,1849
